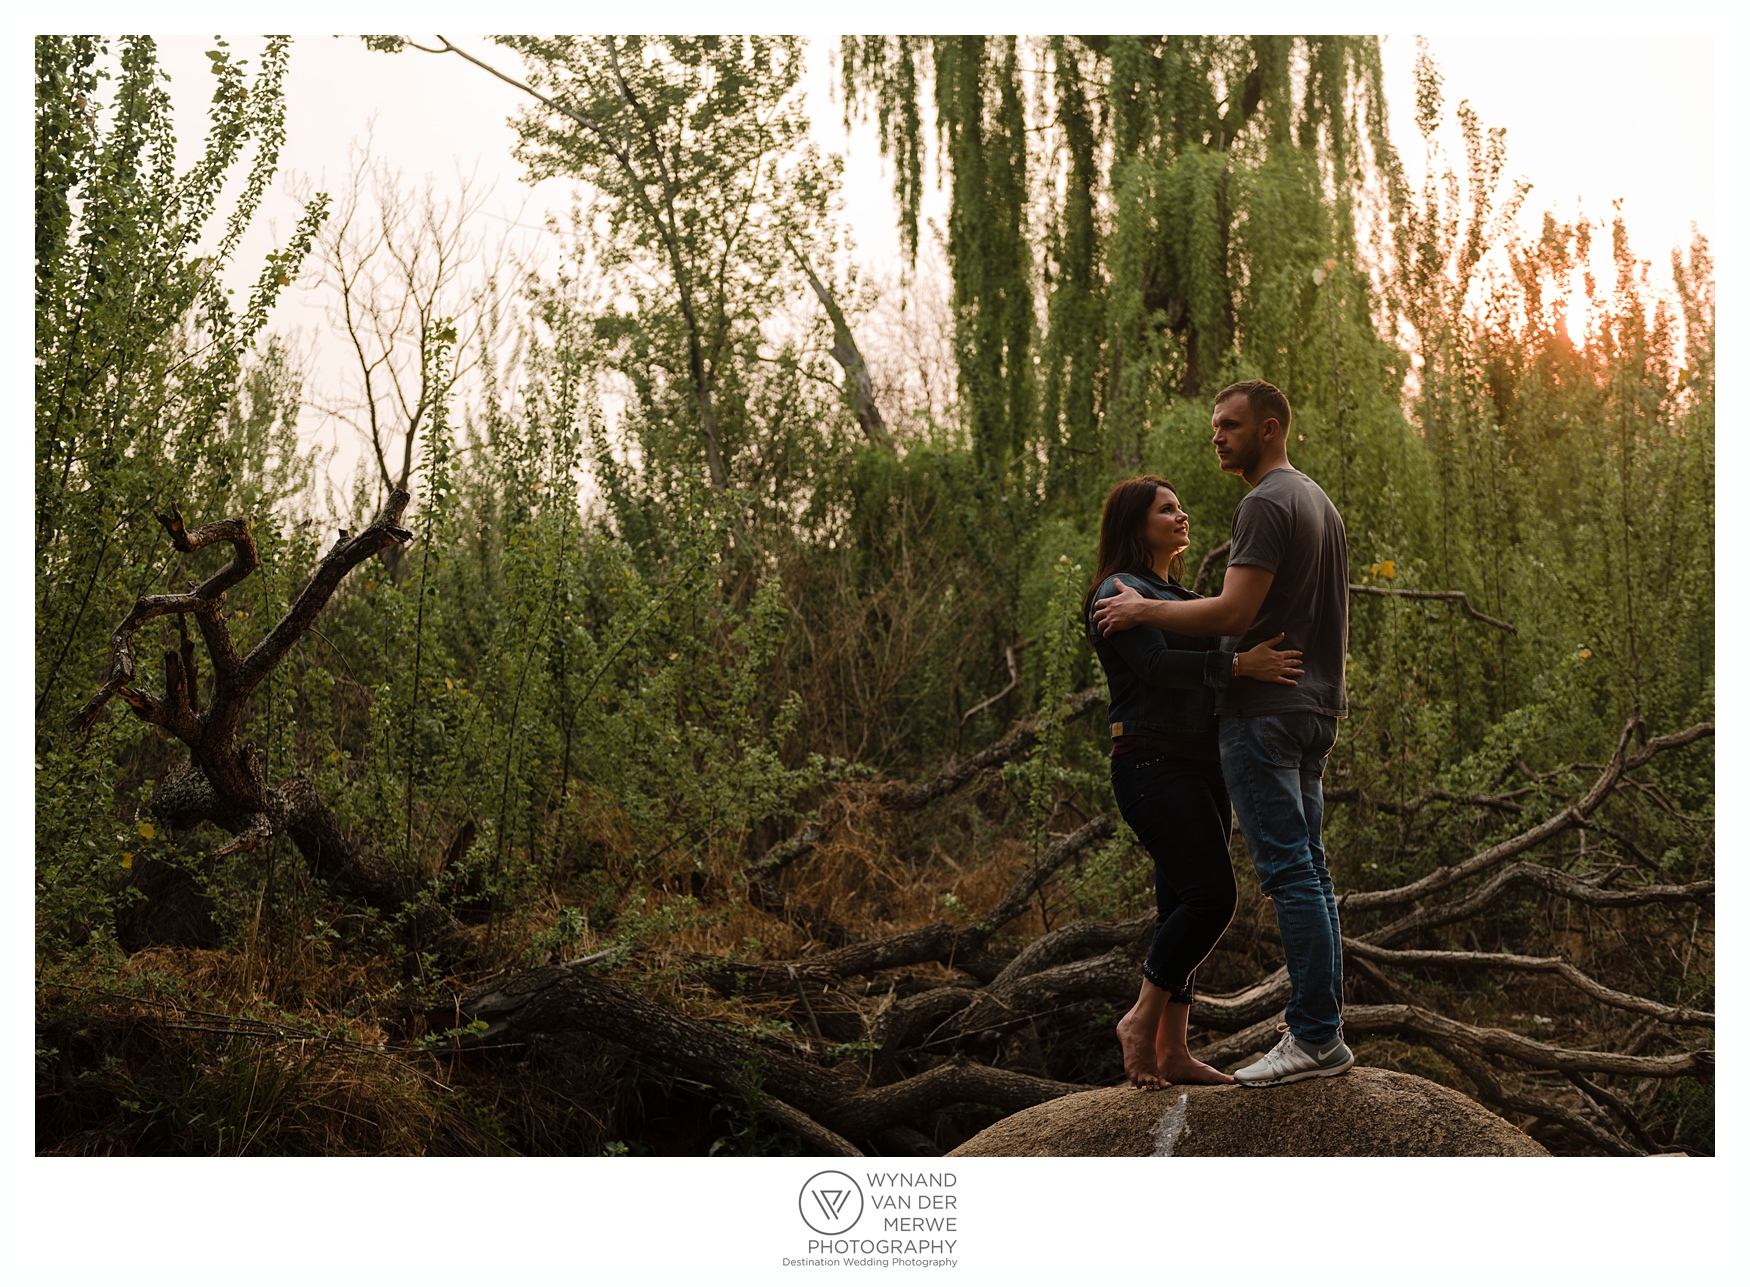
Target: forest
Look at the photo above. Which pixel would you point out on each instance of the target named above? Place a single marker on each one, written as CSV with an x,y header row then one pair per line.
x,y
678,737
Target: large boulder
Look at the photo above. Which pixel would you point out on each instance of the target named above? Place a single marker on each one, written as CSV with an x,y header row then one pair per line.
x,y
1367,1112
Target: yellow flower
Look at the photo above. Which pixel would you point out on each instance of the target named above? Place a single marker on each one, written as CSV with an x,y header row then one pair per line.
x,y
1388,569
127,859
147,830
1585,652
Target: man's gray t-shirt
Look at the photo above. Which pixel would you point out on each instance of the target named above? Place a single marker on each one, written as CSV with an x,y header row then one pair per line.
x,y
1288,526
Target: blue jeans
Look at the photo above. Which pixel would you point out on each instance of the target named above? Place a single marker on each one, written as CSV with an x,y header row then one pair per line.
x,y
1274,766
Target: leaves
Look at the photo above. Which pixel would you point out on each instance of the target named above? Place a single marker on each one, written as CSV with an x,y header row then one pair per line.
x,y
696,153
145,374
613,675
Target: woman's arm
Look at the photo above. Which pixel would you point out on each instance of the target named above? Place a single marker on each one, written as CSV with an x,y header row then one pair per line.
x,y
1149,657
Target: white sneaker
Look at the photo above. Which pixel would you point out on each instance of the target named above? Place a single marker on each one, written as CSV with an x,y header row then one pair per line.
x,y
1293,1060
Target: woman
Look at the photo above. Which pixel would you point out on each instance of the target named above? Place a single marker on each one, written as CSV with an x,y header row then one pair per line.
x,y
1166,769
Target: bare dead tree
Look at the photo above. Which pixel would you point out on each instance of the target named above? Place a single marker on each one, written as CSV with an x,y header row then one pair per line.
x,y
398,266
859,388
908,321
224,781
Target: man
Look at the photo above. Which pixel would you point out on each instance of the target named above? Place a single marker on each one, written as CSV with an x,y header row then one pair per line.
x,y
1288,572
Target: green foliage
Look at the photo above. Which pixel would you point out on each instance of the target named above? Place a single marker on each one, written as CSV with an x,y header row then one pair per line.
x,y
664,596
83,851
984,141
152,392
704,191
148,389
748,1129
1117,881
1223,170
1038,779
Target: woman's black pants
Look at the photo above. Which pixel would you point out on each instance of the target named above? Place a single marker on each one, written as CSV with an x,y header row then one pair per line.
x,y
1179,810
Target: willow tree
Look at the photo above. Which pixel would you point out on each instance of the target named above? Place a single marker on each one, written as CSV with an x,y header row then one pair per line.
x,y
1135,221
1196,204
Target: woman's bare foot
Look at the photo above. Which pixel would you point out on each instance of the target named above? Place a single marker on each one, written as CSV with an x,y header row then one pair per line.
x,y
1173,1056
1183,1070
1139,1052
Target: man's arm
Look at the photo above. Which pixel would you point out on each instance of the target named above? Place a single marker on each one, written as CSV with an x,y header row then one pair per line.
x,y
1228,613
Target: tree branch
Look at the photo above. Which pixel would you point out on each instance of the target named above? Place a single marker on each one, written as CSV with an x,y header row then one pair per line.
x,y
906,797
1548,878
1506,801
956,1082
1490,1091
1444,877
785,852
1206,569
1450,596
1014,680
1592,1090
1537,964
1058,852
559,999
204,602
849,357
346,554
1410,1020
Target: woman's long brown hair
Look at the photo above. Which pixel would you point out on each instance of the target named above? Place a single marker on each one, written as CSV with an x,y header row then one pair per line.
x,y
1122,547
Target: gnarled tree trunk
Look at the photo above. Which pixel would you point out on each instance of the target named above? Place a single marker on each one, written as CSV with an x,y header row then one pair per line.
x,y
224,782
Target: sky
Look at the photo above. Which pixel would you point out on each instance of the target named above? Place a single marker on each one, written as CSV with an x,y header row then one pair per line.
x,y
1617,116
1591,121
1610,117
1618,105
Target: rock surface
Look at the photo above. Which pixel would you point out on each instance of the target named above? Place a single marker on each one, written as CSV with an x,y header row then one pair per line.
x,y
1367,1112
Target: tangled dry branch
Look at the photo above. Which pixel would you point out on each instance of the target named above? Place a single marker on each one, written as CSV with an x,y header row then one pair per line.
x,y
952,1013
223,781
962,1034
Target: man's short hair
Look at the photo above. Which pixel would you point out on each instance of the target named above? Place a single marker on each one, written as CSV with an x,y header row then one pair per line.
x,y
1265,399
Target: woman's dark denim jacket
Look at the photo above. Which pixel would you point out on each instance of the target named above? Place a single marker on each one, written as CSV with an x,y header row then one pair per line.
x,y
1161,685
